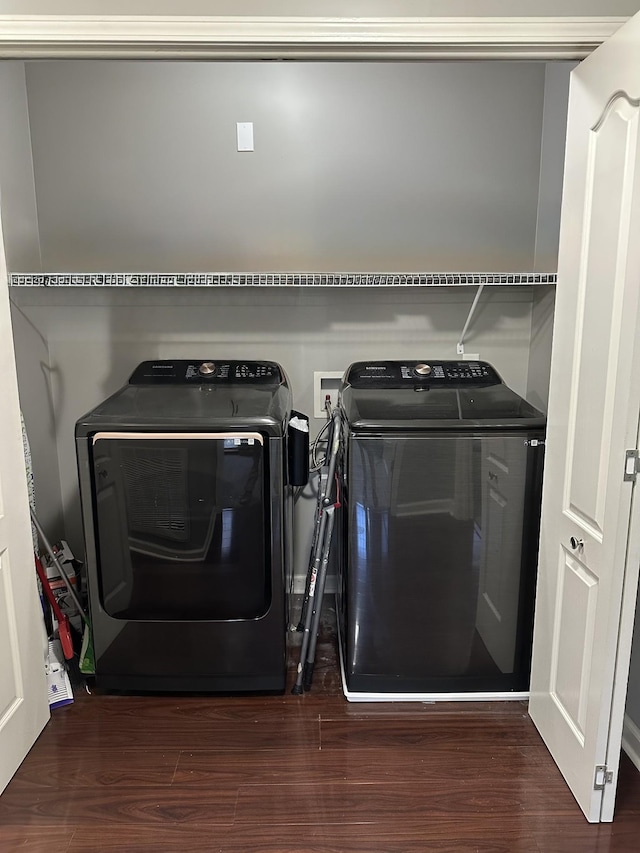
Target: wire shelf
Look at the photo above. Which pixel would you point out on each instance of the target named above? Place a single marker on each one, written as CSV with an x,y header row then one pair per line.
x,y
214,279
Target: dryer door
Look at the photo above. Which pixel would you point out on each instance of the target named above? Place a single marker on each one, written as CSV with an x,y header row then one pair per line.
x,y
182,525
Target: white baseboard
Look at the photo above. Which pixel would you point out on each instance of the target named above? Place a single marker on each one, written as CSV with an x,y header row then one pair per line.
x,y
631,740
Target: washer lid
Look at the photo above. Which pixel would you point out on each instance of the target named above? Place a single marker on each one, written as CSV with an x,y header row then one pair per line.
x,y
451,395
234,395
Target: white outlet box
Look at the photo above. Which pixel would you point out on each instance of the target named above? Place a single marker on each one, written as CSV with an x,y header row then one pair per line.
x,y
325,384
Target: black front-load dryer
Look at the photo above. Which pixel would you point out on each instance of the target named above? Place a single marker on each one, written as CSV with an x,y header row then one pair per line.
x,y
183,490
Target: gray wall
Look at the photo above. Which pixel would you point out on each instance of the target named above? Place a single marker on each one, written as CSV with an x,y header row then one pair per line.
x,y
372,166
394,166
96,337
554,126
543,305
19,221
357,167
554,129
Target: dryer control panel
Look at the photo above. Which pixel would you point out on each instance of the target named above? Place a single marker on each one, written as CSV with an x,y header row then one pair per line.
x,y
207,372
408,374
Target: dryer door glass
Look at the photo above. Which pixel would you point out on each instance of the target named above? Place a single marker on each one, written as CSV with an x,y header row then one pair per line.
x,y
182,525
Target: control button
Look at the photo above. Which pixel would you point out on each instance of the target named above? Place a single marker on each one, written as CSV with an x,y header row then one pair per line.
x,y
422,369
207,368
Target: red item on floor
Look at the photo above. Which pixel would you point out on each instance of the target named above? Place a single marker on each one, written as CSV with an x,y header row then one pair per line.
x,y
64,631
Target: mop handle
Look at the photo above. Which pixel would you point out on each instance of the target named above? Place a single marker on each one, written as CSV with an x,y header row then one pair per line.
x,y
58,565
332,453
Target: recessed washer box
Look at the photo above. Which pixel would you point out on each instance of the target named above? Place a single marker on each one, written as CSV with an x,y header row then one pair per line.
x,y
325,382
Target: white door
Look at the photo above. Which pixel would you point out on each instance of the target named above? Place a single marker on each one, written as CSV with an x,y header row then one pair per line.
x,y
587,554
24,705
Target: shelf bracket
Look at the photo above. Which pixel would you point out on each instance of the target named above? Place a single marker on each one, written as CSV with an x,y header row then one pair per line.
x,y
460,344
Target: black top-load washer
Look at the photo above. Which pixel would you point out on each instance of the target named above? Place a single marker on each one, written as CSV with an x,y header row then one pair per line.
x,y
184,490
441,489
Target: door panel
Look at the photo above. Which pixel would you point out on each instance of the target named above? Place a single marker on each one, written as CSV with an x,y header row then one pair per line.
x,y
611,165
24,707
593,417
573,652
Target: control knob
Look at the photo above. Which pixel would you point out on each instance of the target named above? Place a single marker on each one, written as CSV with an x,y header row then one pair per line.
x,y
422,369
207,368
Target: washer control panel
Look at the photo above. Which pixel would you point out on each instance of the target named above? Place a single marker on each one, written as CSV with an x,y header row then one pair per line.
x,y
407,374
206,372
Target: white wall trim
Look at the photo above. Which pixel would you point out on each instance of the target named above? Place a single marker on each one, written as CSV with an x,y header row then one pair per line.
x,y
631,740
224,37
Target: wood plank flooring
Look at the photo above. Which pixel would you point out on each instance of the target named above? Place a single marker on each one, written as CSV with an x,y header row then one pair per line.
x,y
299,774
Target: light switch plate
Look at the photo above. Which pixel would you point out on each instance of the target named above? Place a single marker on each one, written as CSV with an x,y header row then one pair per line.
x,y
244,130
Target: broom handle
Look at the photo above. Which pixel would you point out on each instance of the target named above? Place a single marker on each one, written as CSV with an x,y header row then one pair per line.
x,y
58,565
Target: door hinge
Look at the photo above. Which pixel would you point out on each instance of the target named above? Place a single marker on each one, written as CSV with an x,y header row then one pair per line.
x,y
602,777
631,466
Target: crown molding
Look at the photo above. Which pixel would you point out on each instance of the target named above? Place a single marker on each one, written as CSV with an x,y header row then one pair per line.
x,y
270,37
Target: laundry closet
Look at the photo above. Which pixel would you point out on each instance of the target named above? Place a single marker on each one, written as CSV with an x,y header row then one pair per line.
x,y
378,181
376,200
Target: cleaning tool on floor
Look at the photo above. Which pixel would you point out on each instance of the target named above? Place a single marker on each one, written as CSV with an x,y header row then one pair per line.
x,y
64,631
58,683
87,661
320,467
328,502
59,686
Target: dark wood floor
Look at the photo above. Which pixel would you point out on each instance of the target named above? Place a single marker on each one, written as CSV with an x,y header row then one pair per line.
x,y
295,774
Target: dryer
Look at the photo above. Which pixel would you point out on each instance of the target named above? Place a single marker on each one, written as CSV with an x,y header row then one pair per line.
x,y
184,493
441,492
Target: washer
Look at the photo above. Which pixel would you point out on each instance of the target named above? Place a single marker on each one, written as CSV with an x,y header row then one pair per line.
x,y
441,481
184,504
